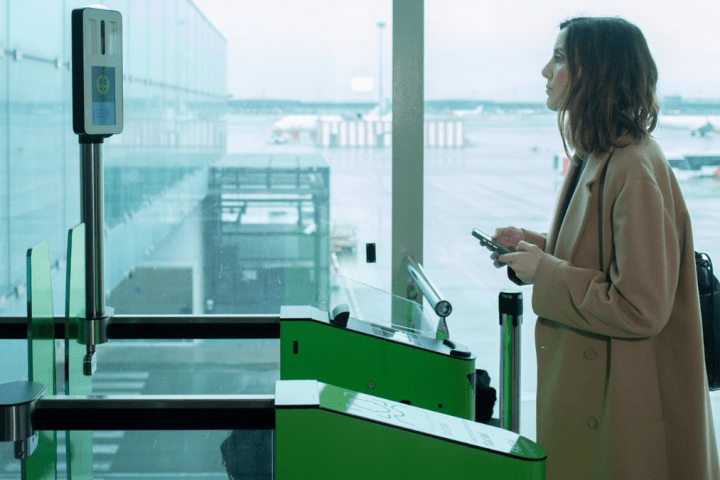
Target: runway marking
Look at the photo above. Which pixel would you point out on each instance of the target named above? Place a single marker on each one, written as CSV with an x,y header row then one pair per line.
x,y
120,393
121,375
14,467
99,386
116,434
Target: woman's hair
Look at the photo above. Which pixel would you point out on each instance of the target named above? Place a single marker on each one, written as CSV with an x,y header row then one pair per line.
x,y
612,85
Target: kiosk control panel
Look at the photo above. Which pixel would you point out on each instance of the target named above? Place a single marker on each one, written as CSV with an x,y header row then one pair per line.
x,y
97,68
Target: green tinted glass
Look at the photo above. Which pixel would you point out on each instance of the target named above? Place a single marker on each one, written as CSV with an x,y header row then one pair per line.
x,y
41,356
78,443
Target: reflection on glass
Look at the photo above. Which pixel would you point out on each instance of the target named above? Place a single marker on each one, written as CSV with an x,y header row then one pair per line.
x,y
265,232
41,355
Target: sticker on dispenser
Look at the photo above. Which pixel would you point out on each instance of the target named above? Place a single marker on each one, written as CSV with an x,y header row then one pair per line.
x,y
103,95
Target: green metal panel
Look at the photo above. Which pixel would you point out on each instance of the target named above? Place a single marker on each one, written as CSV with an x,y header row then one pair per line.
x,y
78,443
378,366
354,436
42,464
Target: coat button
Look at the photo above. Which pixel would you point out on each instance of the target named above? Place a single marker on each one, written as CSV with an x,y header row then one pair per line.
x,y
589,353
592,423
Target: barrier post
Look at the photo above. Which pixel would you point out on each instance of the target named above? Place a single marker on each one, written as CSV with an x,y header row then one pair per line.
x,y
510,307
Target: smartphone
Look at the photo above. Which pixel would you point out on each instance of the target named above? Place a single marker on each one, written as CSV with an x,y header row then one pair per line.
x,y
487,240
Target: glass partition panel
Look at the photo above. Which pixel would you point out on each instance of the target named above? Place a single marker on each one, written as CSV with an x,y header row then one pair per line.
x,y
4,166
197,367
79,444
155,455
41,356
494,156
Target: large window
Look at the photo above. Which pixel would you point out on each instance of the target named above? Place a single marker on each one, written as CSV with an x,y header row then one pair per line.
x,y
482,69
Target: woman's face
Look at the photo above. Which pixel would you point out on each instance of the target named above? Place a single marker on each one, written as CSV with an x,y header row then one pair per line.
x,y
556,72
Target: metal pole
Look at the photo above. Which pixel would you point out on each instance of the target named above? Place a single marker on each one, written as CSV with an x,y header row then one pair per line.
x,y
91,185
510,307
91,213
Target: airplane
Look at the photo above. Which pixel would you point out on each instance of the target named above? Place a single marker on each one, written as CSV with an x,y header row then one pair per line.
x,y
698,125
704,130
465,113
373,115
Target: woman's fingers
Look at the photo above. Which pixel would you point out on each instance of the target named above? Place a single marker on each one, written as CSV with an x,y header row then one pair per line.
x,y
497,263
508,236
486,245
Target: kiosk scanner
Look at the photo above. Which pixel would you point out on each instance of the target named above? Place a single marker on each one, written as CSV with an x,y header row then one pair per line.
x,y
97,69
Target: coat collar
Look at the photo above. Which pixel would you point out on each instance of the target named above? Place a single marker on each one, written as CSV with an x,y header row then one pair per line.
x,y
579,209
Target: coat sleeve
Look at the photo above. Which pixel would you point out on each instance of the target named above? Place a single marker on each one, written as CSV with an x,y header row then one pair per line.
x,y
535,238
637,298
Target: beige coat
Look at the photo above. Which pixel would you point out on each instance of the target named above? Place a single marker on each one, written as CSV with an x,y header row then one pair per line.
x,y
622,388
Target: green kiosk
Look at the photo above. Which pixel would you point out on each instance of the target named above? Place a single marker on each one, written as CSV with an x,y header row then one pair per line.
x,y
327,432
378,360
359,399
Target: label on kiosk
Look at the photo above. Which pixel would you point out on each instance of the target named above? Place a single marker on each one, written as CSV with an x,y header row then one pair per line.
x,y
97,72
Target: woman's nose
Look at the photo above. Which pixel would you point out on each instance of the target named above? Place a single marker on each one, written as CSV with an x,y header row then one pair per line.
x,y
545,72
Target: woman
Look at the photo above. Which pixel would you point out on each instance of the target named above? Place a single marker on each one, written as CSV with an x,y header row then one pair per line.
x,y
622,388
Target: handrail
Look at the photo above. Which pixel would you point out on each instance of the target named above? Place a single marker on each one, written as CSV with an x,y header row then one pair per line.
x,y
442,307
156,412
24,412
170,327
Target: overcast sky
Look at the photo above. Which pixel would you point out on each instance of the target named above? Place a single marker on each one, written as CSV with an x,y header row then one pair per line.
x,y
484,49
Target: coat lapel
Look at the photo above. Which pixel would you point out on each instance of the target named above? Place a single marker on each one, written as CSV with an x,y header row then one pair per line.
x,y
564,238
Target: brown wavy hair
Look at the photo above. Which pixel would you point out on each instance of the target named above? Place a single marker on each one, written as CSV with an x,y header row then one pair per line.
x,y
611,92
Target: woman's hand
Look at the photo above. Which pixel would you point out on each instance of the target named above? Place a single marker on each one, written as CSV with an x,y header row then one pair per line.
x,y
524,260
508,237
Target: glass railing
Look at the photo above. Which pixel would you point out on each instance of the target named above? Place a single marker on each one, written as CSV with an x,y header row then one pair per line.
x,y
376,306
41,358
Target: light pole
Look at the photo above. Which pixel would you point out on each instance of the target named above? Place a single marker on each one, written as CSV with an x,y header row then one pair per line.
x,y
380,25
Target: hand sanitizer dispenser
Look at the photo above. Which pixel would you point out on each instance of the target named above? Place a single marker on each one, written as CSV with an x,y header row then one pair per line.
x,y
97,70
